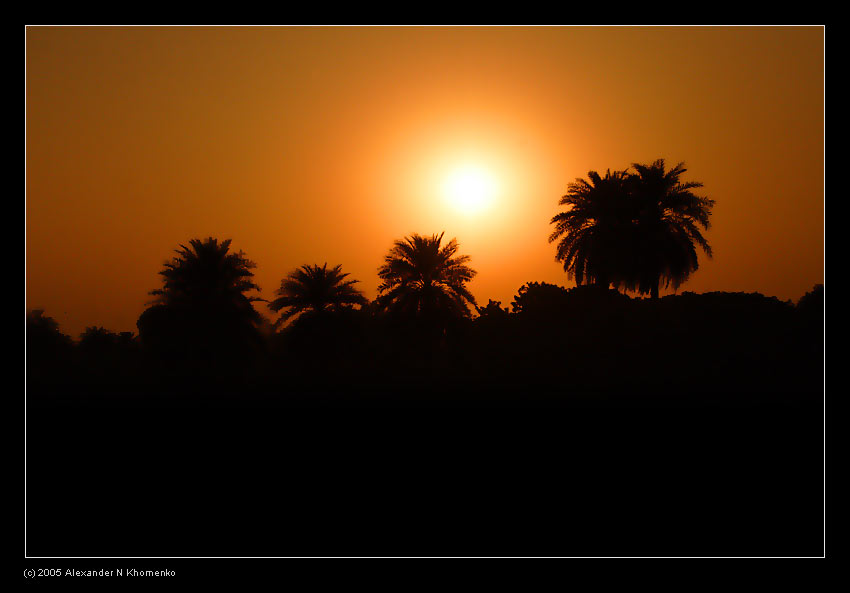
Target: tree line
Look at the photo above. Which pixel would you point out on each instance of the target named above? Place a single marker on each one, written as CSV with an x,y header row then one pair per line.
x,y
636,230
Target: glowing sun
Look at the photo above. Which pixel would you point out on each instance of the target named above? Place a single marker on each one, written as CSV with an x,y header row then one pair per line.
x,y
470,189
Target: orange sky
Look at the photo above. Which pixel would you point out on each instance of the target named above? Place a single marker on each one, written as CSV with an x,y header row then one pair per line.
x,y
307,145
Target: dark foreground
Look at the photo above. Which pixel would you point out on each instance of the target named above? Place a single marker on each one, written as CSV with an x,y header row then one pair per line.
x,y
594,425
210,477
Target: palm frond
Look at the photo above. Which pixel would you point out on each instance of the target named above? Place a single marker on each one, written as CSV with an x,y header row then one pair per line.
x,y
421,274
315,288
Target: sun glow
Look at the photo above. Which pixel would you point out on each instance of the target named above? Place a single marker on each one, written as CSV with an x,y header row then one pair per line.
x,y
470,189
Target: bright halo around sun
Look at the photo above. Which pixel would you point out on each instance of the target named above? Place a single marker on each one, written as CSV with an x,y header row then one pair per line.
x,y
470,189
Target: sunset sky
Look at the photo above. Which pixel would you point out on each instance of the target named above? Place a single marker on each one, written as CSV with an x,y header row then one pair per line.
x,y
325,144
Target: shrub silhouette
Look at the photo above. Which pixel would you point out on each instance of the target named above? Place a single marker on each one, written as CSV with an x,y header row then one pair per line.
x,y
812,304
98,340
539,299
810,312
493,310
49,352
42,333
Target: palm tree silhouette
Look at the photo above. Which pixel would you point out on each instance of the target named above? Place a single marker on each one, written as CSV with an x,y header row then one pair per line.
x,y
591,232
202,312
668,219
316,289
207,276
423,279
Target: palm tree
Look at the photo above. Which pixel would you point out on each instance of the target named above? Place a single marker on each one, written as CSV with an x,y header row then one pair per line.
x,y
423,279
206,276
591,231
316,289
202,311
666,234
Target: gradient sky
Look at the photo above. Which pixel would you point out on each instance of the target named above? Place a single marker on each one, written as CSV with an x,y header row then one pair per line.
x,y
307,145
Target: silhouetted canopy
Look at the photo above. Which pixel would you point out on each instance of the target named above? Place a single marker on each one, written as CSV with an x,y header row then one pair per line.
x,y
421,277
591,232
43,336
314,288
206,274
668,221
636,230
202,312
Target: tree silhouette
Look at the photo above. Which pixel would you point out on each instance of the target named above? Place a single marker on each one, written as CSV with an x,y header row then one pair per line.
x,y
668,217
316,289
45,343
635,230
493,310
423,279
206,275
97,340
812,303
202,314
591,232
810,312
38,324
539,298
